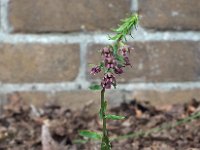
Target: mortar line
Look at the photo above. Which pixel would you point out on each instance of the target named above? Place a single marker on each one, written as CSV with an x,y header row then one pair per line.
x,y
165,86
1,18
134,6
56,87
4,17
81,78
139,36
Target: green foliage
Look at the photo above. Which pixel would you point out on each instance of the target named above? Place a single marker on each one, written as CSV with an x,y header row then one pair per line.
x,y
114,117
164,126
102,65
95,87
79,141
125,28
90,134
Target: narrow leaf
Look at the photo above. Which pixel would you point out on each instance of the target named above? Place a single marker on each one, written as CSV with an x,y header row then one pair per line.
x,y
114,117
79,141
116,37
95,87
125,27
90,134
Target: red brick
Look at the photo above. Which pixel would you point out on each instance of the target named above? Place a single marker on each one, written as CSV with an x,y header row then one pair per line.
x,y
162,98
79,99
158,62
28,63
73,99
170,14
66,16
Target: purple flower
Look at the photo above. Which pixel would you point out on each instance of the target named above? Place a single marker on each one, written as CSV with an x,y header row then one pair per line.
x,y
108,80
106,52
118,69
95,70
110,62
125,51
112,65
127,62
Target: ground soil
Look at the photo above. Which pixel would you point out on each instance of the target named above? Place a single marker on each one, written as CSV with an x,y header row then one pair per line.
x,y
52,127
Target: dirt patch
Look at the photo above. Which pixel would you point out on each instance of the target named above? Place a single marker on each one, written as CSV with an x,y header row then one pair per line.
x,y
24,127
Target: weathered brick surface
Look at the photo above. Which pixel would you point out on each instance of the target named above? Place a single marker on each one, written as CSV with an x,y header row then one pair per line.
x,y
79,99
158,61
170,14
73,99
162,98
66,15
0,18
28,63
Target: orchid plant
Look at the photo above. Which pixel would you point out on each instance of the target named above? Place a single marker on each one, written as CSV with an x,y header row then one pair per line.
x,y
115,58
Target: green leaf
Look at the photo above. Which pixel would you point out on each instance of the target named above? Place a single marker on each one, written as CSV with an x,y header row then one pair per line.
x,y
90,134
114,117
116,37
125,27
95,87
79,141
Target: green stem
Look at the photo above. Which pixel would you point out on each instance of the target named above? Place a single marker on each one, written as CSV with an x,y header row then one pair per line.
x,y
103,111
105,145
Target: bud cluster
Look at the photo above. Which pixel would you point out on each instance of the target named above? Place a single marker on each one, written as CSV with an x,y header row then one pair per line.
x,y
113,62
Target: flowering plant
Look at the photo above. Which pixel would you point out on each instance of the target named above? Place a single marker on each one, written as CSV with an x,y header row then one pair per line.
x,y
115,58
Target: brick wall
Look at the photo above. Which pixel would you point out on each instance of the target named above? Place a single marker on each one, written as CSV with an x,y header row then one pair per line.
x,y
46,45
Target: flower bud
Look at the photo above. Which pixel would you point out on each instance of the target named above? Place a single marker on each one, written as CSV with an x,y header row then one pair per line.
x,y
95,70
108,80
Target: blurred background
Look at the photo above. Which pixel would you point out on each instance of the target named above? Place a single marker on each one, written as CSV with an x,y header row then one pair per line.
x,y
46,46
